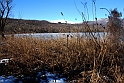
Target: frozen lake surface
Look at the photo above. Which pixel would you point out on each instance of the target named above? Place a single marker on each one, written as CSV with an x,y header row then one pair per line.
x,y
58,35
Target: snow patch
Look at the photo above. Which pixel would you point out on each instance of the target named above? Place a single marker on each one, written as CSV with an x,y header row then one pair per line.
x,y
63,21
5,61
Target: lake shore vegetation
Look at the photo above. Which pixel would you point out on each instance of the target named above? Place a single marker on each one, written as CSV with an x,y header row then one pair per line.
x,y
81,59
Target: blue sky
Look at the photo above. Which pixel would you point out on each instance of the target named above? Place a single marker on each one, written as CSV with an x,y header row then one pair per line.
x,y
51,9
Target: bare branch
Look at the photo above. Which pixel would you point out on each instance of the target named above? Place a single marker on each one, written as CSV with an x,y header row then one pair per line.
x,y
5,8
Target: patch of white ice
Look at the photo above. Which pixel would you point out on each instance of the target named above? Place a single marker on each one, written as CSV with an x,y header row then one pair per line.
x,y
57,81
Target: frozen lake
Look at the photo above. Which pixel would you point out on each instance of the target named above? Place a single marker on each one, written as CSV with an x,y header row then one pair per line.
x,y
58,35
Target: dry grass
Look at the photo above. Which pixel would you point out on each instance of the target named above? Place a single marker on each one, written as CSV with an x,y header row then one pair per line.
x,y
81,59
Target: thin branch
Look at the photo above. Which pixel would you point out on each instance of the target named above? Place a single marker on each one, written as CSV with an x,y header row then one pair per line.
x,y
77,8
85,7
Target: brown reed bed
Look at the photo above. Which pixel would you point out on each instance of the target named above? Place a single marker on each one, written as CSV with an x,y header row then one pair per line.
x,y
81,60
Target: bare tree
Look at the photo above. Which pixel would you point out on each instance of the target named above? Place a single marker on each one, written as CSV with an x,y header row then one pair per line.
x,y
5,8
115,24
114,19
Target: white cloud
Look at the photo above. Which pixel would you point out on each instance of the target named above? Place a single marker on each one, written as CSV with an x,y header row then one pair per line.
x,y
63,21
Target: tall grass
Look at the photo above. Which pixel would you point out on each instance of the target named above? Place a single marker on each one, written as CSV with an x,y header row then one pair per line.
x,y
84,61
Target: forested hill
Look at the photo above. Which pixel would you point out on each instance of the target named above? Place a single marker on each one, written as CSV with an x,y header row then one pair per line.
x,y
43,26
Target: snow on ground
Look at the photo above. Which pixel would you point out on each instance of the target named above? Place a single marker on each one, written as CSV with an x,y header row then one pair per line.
x,y
49,78
9,79
5,60
57,81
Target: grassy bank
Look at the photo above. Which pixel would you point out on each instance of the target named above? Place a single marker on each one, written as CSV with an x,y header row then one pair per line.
x,y
83,59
